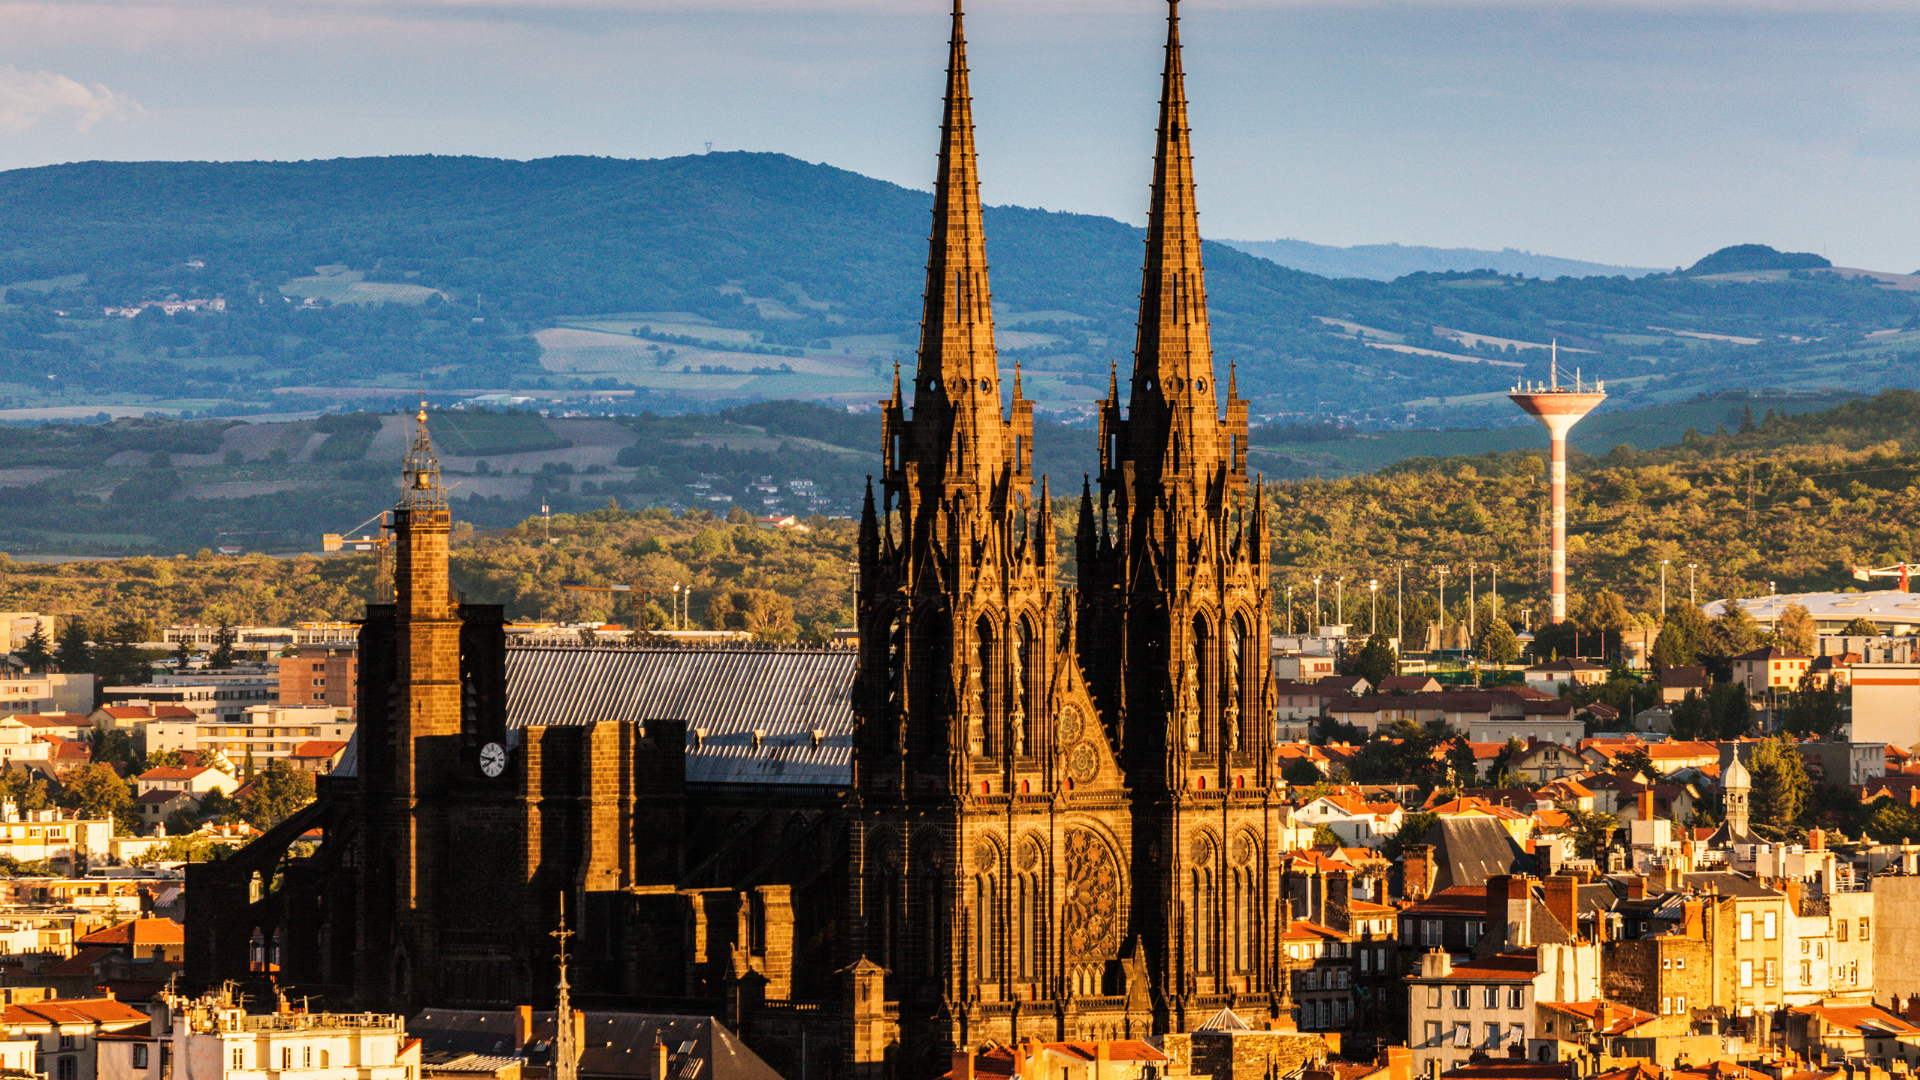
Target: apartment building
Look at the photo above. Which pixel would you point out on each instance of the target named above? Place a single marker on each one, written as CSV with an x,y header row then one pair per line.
x,y
67,1032
46,693
320,675
1488,1004
213,1039
262,732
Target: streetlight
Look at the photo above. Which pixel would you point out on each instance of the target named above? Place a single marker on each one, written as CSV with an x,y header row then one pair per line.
x,y
1692,600
674,619
1289,611
1472,630
1663,588
1399,605
1495,568
1339,600
1373,619
1316,604
1442,571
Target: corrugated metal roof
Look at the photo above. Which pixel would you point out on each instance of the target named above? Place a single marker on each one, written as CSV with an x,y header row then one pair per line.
x,y
762,711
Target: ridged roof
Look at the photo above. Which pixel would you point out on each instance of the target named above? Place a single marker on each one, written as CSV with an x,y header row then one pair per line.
x,y
784,694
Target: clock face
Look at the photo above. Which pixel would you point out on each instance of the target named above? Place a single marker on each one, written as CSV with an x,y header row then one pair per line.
x,y
493,759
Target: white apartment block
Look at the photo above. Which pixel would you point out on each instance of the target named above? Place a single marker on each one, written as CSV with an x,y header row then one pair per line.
x,y
1563,730
212,1039
314,633
45,836
263,731
46,693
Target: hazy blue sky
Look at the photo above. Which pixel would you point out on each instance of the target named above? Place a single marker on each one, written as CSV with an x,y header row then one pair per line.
x,y
1644,133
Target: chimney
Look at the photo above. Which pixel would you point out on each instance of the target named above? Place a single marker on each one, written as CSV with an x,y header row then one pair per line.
x,y
963,1065
1694,919
1792,887
1562,901
1646,804
661,1066
1436,963
1399,1063
522,1027
1601,1017
1339,902
1100,1059
1636,888
1417,871
1816,840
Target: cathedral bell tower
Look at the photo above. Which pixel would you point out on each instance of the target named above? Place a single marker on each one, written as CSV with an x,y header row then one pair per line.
x,y
1174,613
440,892
960,766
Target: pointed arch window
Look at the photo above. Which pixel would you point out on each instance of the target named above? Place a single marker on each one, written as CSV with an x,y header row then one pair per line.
x,y
986,935
1026,679
1202,673
987,690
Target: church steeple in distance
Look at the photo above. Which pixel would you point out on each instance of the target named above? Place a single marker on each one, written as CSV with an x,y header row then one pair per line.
x,y
957,385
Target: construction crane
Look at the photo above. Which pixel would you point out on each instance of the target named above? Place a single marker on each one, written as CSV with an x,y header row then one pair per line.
x,y
1903,571
380,543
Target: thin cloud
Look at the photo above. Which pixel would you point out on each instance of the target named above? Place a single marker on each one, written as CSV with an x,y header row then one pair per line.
x,y
28,97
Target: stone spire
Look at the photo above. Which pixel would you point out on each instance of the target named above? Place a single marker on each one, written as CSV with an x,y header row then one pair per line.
x,y
957,384
1173,356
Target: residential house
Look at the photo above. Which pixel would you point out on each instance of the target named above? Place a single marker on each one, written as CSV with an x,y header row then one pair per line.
x,y
1769,670
1488,1004
1354,820
1546,762
1551,720
1409,684
1849,1033
20,742
1518,825
222,1042
1578,672
30,693
1677,682
66,1031
321,755
1570,1030
1303,667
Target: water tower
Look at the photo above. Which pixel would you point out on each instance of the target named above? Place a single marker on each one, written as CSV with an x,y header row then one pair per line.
x,y
1559,407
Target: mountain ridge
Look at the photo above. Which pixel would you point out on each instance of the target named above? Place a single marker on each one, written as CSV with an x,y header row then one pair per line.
x,y
1386,262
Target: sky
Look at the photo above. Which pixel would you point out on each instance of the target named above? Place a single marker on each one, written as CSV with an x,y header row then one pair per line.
x,y
1636,132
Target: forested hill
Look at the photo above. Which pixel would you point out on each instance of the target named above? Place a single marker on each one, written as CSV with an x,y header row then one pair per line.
x,y
810,257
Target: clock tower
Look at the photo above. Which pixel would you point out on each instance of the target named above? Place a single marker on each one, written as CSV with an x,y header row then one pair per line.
x,y
439,798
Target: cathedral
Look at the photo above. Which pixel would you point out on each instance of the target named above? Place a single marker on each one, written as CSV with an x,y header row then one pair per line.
x,y
1015,810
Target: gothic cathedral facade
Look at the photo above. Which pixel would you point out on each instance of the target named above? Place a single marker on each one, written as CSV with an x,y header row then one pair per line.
x,y
1063,815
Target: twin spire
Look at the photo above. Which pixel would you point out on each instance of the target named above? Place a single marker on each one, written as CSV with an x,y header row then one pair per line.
x,y
958,378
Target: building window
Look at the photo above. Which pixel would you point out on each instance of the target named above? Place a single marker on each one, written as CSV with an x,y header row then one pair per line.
x,y
1666,1006
1462,1033
1840,930
1493,1035
1430,932
1864,928
1433,1033
1474,930
1806,973
1490,997
1769,973
1513,997
1460,997
324,1057
1746,926
286,1057
306,1057
1768,925
239,1058
139,1055
1680,963
66,1068
1746,973
1680,1004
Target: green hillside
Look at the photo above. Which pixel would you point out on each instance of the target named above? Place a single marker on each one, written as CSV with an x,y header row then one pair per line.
x,y
719,279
